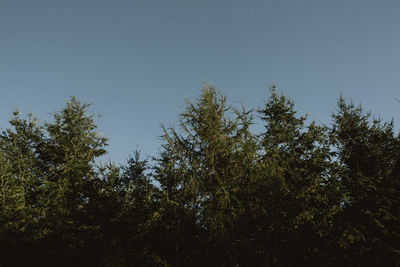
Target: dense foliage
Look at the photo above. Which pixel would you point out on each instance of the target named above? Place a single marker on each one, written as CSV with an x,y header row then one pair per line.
x,y
296,194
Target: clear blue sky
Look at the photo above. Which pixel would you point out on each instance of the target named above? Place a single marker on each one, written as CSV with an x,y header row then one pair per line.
x,y
138,60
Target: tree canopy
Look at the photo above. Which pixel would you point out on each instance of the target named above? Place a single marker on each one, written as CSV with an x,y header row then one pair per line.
x,y
217,194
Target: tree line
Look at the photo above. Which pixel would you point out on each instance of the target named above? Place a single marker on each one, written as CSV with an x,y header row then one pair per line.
x,y
217,194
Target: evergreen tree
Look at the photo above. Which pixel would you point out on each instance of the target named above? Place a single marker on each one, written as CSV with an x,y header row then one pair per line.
x,y
68,154
367,224
201,175
22,182
296,159
124,210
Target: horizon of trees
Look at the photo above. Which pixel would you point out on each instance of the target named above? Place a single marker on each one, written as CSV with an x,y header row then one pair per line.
x,y
296,194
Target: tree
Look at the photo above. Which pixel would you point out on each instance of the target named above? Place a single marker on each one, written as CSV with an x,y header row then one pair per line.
x,y
124,210
368,152
297,166
48,176
68,155
22,179
201,174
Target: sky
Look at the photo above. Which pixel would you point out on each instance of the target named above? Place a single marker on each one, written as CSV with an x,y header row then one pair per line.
x,y
137,61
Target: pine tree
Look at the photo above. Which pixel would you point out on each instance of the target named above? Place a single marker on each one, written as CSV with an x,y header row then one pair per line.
x,y
202,174
68,155
21,188
368,152
296,160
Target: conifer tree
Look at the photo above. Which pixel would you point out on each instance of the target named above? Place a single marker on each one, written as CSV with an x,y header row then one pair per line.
x,y
297,158
124,210
368,222
21,187
202,176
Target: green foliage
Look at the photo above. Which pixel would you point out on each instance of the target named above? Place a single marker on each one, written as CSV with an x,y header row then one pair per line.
x,y
217,194
203,171
368,219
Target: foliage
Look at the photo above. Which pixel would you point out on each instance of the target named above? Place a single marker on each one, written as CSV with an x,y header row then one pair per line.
x,y
217,194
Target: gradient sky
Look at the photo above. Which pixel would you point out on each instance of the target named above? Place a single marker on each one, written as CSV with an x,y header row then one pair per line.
x,y
138,60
